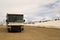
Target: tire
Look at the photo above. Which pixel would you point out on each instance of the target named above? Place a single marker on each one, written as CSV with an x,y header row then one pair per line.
x,y
22,29
9,30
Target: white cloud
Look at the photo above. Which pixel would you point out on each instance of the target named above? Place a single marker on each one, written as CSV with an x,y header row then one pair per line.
x,y
32,9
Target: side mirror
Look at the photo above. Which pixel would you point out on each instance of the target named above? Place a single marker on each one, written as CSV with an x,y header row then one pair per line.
x,y
24,20
7,21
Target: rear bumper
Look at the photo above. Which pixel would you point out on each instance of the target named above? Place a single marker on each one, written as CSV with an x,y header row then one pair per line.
x,y
15,28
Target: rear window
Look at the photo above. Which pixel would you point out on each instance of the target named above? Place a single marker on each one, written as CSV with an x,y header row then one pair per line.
x,y
14,18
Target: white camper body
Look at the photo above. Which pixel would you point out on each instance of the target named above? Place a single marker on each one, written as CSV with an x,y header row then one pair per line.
x,y
15,22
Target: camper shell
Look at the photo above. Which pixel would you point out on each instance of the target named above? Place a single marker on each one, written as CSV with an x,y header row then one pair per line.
x,y
15,22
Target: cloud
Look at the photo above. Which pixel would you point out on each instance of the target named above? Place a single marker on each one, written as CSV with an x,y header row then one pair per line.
x,y
52,5
33,9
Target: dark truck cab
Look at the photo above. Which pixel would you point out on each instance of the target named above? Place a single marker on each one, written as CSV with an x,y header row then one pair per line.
x,y
15,22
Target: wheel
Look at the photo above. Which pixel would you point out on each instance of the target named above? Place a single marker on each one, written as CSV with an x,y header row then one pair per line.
x,y
9,30
22,29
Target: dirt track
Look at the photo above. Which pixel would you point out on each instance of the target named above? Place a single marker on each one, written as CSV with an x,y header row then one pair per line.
x,y
30,33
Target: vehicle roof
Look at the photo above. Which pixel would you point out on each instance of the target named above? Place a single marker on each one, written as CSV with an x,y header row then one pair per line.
x,y
15,13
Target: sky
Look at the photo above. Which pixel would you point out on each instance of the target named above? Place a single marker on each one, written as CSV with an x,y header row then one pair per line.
x,y
34,10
